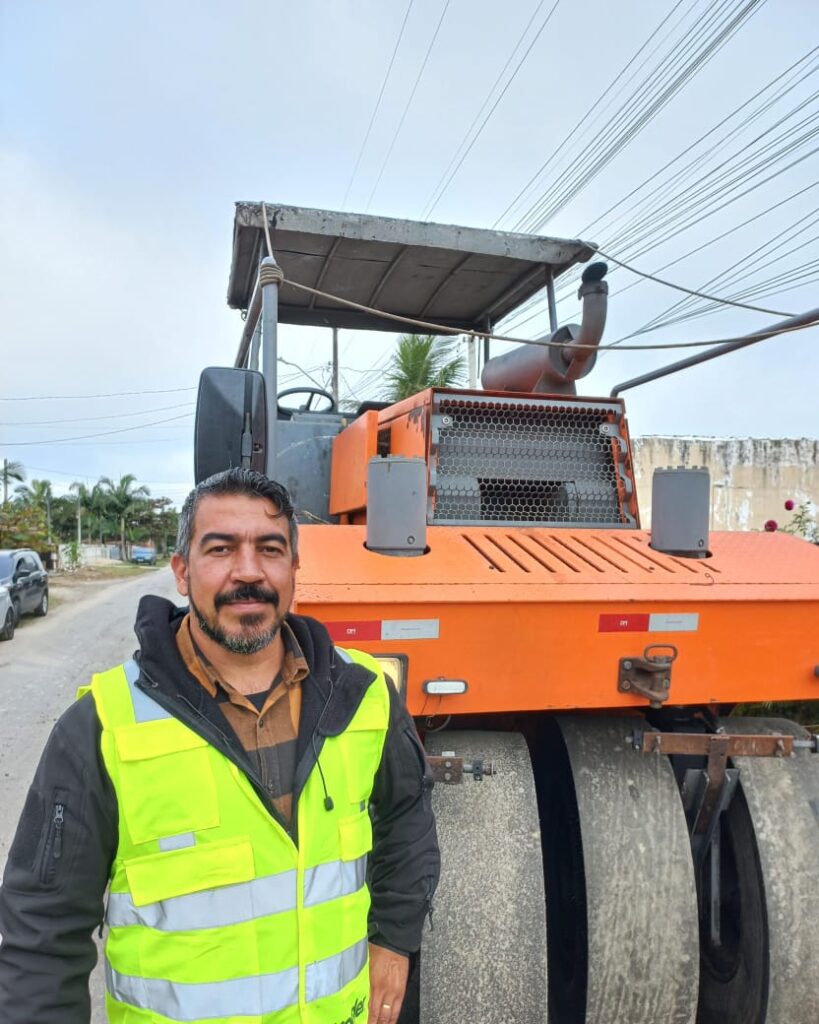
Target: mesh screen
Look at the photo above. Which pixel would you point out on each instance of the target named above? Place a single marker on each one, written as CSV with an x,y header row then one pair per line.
x,y
524,461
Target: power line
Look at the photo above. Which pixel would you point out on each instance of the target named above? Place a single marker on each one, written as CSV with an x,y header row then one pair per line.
x,y
377,103
91,476
689,291
104,433
89,419
664,215
579,124
651,96
438,192
408,104
109,394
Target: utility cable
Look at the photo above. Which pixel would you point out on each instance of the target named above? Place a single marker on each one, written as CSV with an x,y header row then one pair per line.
x,y
446,329
110,394
408,104
718,145
661,200
689,291
89,419
377,102
579,124
437,195
104,433
699,49
737,272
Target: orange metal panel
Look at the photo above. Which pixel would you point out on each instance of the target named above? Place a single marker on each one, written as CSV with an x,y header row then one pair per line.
x,y
352,450
538,619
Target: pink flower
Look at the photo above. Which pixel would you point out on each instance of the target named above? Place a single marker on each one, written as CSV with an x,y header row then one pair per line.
x,y
790,505
771,526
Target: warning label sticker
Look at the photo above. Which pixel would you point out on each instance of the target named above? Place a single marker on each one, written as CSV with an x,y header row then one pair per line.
x,y
384,629
655,622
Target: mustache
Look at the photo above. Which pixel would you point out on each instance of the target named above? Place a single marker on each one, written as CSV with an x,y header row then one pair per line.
x,y
247,592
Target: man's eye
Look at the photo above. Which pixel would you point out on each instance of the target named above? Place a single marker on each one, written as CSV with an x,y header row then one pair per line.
x,y
218,549
272,549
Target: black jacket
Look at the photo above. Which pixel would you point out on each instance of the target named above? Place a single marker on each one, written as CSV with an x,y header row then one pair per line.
x,y
59,864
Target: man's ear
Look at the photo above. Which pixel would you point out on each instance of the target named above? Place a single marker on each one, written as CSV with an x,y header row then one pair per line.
x,y
179,567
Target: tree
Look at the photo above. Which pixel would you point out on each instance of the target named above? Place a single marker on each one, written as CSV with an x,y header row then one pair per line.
x,y
124,500
22,526
422,361
84,501
64,518
157,520
37,494
40,496
11,471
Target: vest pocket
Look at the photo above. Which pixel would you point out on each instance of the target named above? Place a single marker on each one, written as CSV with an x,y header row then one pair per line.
x,y
355,836
363,742
166,781
160,876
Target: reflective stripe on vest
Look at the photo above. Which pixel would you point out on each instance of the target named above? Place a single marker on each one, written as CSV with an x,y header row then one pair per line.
x,y
234,904
240,997
145,709
202,865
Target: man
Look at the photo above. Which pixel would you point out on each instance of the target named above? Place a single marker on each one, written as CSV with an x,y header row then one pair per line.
x,y
256,801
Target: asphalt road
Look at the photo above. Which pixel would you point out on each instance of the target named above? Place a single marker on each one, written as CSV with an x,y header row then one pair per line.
x,y
40,670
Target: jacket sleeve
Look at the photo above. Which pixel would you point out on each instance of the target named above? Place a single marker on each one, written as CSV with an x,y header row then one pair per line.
x,y
405,862
58,867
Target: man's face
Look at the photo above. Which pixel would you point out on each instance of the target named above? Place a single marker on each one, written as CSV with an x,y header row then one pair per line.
x,y
240,574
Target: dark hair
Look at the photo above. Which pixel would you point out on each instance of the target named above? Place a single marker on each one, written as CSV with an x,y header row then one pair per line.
x,y
237,480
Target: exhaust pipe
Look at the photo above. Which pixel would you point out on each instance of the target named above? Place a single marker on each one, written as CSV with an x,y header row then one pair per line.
x,y
553,370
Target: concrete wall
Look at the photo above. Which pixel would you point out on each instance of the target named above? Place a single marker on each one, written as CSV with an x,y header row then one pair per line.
x,y
750,477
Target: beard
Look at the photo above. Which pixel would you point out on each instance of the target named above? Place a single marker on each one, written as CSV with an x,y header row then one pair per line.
x,y
253,636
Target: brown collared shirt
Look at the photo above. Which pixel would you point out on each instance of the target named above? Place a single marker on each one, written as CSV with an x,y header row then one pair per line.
x,y
265,723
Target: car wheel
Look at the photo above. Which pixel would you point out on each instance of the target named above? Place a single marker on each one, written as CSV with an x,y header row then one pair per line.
x,y
18,612
42,607
7,633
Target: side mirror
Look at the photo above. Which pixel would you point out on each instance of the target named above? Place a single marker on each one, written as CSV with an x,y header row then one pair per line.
x,y
231,421
22,573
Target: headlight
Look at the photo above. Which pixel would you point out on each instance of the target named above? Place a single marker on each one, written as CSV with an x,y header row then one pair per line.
x,y
394,666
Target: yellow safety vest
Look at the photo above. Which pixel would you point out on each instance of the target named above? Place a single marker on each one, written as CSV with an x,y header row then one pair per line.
x,y
214,913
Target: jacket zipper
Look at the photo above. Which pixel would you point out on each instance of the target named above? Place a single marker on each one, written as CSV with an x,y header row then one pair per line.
x,y
54,842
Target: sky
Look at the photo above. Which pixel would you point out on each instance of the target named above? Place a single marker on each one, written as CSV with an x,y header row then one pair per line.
x,y
128,131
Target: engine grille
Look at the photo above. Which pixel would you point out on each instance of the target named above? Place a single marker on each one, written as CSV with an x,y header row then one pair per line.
x,y
524,460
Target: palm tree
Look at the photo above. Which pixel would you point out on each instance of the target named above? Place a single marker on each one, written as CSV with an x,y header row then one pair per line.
x,y
11,471
83,502
422,361
98,506
37,495
123,499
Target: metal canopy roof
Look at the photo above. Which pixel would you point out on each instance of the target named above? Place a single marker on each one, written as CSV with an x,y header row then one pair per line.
x,y
458,277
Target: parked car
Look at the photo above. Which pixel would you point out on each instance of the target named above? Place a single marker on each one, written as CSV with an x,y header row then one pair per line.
x,y
23,575
8,620
143,556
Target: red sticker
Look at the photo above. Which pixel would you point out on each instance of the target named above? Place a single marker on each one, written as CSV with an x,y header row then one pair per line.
x,y
341,631
629,623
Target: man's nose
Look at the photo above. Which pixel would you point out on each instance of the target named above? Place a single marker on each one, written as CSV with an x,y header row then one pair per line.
x,y
247,565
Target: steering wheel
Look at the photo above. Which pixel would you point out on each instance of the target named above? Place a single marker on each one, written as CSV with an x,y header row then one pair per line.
x,y
286,411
